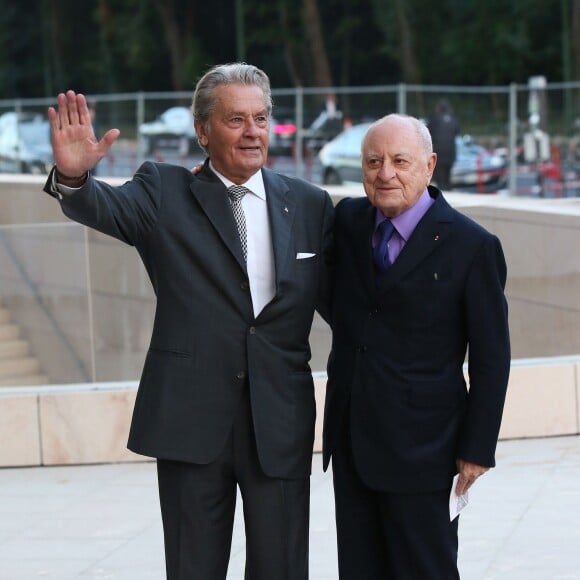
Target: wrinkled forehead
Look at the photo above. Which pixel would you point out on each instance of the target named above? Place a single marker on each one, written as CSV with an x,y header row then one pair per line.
x,y
240,98
393,137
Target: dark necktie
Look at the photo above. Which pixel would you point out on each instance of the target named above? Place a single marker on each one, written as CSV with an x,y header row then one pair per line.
x,y
236,193
381,250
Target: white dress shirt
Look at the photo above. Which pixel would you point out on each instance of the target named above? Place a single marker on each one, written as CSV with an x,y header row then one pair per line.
x,y
260,260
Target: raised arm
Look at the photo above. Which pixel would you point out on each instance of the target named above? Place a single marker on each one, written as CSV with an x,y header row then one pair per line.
x,y
74,145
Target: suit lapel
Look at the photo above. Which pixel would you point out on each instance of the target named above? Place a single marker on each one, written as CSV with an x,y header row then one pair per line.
x,y
428,236
211,195
281,211
362,226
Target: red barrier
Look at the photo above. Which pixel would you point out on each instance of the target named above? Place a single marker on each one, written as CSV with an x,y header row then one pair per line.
x,y
480,180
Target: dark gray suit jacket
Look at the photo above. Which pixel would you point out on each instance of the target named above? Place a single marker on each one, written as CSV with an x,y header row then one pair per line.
x,y
396,365
206,345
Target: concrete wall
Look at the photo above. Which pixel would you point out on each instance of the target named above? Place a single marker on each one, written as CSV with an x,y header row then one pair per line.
x,y
89,423
102,285
541,241
96,292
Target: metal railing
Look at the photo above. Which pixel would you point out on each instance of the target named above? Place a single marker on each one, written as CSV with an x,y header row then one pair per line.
x,y
501,118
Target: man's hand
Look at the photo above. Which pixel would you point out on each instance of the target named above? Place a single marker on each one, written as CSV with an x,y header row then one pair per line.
x,y
74,145
468,473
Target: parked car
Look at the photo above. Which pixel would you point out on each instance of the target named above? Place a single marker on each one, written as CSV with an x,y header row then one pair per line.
x,y
341,157
25,143
323,129
282,137
283,132
341,160
173,129
475,165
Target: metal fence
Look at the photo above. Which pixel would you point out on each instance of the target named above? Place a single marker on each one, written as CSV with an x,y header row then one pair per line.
x,y
534,127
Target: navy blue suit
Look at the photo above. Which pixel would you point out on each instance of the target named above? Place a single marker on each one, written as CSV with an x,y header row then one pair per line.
x,y
397,411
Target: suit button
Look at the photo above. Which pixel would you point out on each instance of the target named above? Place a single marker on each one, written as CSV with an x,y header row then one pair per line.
x,y
252,330
241,375
245,285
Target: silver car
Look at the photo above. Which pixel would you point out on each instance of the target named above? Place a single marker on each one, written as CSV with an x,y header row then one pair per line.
x,y
173,129
474,166
25,143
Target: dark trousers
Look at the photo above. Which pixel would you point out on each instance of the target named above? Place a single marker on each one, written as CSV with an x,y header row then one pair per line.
x,y
198,504
390,536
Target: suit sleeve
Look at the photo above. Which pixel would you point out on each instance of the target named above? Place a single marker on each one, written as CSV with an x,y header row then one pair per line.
x,y
489,354
323,305
126,212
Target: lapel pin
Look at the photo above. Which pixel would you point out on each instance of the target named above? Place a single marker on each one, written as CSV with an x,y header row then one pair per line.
x,y
436,276
286,209
436,237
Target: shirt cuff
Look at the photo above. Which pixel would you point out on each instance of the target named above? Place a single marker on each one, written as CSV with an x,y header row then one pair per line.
x,y
63,190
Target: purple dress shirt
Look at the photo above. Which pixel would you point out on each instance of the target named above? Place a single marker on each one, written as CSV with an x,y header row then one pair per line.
x,y
404,224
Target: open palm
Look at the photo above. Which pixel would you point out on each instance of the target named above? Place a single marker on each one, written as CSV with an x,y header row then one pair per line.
x,y
74,145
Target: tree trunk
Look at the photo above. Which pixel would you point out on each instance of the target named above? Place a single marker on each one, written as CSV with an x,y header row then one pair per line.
x,y
288,47
56,44
575,39
173,38
107,41
408,61
315,42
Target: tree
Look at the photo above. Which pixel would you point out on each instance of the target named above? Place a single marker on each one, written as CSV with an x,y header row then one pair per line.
x,y
100,46
322,76
25,58
398,40
406,42
177,18
575,38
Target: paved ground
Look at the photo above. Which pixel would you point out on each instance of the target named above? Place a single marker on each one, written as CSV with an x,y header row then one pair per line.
x,y
102,522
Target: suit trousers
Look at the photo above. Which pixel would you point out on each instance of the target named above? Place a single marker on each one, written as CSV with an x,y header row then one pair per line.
x,y
390,536
198,504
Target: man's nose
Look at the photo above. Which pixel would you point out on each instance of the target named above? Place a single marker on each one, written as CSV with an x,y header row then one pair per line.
x,y
251,128
387,171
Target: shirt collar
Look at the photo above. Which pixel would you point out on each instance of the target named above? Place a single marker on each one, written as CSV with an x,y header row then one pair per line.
x,y
406,222
255,184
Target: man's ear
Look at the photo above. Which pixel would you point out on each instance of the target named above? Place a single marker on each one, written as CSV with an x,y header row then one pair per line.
x,y
431,166
201,133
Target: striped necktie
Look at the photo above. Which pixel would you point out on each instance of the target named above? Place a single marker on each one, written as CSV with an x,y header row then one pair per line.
x,y
236,193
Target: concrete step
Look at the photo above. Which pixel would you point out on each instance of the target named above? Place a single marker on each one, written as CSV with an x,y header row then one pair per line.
x,y
13,349
24,381
9,332
4,316
17,367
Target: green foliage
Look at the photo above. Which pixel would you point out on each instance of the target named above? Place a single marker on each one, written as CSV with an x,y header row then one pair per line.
x,y
100,46
140,52
22,60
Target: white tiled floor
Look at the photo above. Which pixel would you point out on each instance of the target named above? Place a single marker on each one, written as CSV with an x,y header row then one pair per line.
x,y
102,522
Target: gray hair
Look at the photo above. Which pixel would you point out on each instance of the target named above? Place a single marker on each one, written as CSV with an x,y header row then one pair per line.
x,y
238,73
418,125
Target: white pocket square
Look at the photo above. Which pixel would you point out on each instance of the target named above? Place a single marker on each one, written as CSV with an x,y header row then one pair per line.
x,y
304,255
